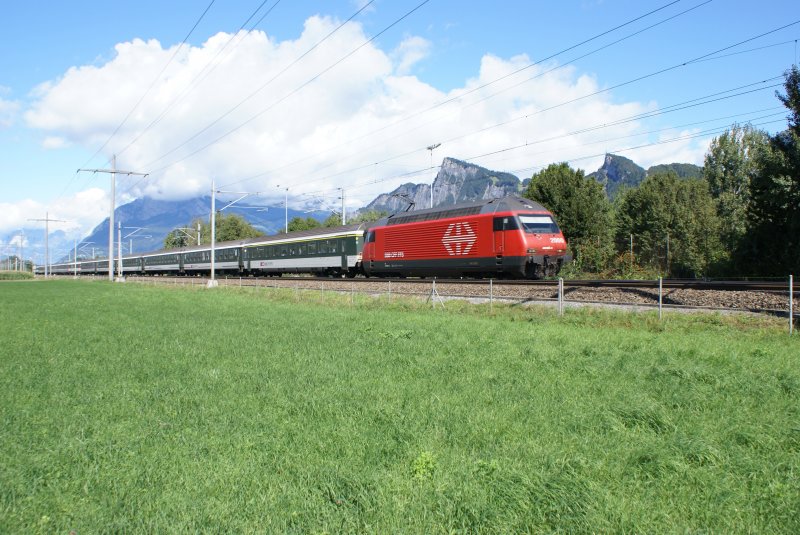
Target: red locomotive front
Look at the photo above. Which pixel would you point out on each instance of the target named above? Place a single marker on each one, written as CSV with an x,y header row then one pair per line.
x,y
509,237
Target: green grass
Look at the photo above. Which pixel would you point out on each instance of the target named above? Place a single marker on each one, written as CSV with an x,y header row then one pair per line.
x,y
15,275
128,408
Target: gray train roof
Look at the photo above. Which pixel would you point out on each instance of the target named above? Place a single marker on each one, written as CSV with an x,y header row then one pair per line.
x,y
275,238
486,206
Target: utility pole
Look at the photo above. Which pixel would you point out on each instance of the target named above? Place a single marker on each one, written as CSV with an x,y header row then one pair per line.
x,y
120,276
113,172
47,221
431,148
344,213
285,209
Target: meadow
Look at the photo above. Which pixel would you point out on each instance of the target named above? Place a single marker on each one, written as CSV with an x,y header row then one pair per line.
x,y
132,408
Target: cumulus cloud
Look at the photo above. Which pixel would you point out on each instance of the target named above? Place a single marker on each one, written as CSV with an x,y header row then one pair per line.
x,y
80,212
8,109
257,120
410,52
54,142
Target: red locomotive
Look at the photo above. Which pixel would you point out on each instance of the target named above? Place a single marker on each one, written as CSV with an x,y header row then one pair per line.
x,y
504,238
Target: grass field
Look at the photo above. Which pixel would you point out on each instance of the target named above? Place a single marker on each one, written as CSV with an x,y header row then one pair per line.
x,y
128,408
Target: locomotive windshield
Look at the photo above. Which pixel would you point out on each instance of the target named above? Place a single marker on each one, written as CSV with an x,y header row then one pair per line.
x,y
538,224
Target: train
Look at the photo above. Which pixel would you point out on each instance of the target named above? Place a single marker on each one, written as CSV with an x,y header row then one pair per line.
x,y
510,237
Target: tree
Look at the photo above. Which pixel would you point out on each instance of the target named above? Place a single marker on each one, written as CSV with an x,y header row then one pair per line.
x,y
333,220
229,227
773,241
731,162
581,208
299,223
665,207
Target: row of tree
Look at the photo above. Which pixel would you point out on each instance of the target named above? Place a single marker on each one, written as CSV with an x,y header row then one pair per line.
x,y
234,227
742,218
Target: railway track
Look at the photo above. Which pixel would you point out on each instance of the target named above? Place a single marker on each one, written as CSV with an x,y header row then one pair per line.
x,y
769,297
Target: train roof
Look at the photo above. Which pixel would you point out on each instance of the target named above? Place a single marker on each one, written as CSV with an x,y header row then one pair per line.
x,y
510,203
275,238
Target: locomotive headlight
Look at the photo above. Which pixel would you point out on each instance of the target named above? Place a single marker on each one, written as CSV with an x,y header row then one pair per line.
x,y
531,251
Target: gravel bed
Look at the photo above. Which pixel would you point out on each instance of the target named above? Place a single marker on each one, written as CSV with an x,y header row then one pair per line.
x,y
736,300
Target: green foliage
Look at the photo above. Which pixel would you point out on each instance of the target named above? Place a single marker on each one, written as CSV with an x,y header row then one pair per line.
x,y
233,227
15,275
663,208
683,170
333,220
417,421
731,162
229,227
300,223
368,217
581,209
773,241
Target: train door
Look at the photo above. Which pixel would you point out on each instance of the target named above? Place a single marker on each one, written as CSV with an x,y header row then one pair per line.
x,y
501,224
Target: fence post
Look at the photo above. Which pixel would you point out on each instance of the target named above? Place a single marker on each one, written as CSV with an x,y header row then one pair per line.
x,y
491,295
560,296
660,288
791,305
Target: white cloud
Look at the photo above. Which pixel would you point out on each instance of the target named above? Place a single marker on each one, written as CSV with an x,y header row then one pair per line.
x,y
54,142
324,135
409,52
8,112
81,213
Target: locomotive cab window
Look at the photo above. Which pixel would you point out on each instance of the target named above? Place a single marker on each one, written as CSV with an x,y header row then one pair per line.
x,y
538,224
505,223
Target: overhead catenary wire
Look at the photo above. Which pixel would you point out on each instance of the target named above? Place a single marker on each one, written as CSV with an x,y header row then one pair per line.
x,y
707,56
207,69
460,96
141,99
421,171
292,92
715,97
267,83
153,83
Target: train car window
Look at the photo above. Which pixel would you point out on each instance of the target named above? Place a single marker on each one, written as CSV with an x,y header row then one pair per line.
x,y
312,248
283,250
370,237
301,249
332,246
538,224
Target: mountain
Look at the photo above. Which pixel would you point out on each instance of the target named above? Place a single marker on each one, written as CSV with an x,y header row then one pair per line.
x,y
456,182
683,170
158,218
618,172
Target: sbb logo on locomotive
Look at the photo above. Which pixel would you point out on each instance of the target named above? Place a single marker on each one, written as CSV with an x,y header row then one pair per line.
x,y
458,239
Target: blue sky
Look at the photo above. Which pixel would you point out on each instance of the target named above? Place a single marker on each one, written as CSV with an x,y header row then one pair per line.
x,y
65,85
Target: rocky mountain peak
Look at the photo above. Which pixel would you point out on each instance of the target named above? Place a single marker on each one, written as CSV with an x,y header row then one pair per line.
x,y
456,181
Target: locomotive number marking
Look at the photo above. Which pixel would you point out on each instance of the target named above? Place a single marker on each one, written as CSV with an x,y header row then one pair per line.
x,y
458,239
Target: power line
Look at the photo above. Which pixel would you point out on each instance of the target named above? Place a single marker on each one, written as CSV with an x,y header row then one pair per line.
x,y
715,97
614,151
265,84
153,83
294,91
207,69
462,95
